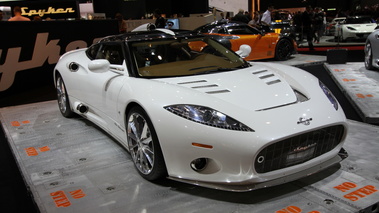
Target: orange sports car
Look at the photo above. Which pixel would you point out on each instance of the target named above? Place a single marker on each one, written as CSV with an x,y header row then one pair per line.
x,y
263,45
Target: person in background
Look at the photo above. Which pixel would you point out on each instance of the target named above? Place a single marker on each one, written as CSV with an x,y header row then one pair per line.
x,y
266,18
318,22
223,17
298,22
228,17
37,18
248,15
160,21
17,15
254,22
241,17
307,18
121,23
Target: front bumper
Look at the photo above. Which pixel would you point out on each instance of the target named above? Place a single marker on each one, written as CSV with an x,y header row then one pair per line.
x,y
255,184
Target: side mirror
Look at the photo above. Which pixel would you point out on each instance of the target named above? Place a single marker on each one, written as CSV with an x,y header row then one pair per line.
x,y
244,50
145,27
99,65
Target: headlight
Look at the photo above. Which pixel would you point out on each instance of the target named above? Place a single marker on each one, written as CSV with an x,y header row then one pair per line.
x,y
351,28
207,116
329,94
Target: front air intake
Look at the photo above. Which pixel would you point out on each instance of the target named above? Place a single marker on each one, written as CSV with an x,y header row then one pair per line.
x,y
298,149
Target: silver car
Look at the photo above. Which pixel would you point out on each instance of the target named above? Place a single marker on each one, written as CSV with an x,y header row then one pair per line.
x,y
372,50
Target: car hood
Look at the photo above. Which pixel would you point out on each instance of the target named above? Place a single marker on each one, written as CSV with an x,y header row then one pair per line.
x,y
254,88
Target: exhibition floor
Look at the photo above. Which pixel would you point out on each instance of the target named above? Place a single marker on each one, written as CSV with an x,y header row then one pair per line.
x,y
328,42
92,173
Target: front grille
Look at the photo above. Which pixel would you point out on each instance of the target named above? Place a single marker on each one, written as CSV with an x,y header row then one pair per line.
x,y
298,149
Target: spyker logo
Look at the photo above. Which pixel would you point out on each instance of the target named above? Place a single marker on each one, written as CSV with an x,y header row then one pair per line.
x,y
305,121
303,148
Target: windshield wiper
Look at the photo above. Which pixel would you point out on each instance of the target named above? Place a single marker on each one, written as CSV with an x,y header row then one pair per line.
x,y
199,68
220,69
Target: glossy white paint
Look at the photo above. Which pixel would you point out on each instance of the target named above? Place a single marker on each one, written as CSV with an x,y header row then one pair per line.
x,y
355,31
271,110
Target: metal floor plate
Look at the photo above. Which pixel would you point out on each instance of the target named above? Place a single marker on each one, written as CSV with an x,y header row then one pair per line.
x,y
360,86
72,166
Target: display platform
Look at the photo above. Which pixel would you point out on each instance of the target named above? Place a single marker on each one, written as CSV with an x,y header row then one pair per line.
x,y
70,165
360,86
329,42
302,60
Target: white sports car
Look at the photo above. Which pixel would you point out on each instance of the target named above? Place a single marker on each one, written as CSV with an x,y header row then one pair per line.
x,y
203,116
355,27
372,50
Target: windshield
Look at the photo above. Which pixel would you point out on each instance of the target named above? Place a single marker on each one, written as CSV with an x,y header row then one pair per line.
x,y
168,58
359,20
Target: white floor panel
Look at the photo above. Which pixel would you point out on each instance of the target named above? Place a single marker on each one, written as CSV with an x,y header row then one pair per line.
x,y
72,166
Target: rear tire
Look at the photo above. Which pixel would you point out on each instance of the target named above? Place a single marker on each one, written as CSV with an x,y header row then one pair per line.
x,y
144,146
62,97
283,50
368,56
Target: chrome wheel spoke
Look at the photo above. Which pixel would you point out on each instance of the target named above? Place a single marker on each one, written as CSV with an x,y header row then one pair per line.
x,y
140,143
61,95
132,133
368,53
149,155
133,146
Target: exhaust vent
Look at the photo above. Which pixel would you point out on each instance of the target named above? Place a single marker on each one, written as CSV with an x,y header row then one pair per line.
x,y
82,108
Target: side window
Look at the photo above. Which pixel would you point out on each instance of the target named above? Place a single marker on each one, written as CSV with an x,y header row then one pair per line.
x,y
218,29
242,30
92,51
222,30
112,52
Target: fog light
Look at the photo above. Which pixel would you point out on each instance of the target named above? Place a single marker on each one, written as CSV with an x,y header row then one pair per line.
x,y
199,164
261,159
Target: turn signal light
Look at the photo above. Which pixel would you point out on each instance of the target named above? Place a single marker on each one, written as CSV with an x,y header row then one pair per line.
x,y
202,145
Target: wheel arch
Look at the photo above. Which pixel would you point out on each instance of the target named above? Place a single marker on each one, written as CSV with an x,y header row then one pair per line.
x,y
368,60
128,108
56,74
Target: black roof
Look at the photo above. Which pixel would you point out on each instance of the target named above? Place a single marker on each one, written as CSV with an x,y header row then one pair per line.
x,y
222,23
150,35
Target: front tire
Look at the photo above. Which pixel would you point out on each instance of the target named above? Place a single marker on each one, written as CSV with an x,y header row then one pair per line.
x,y
144,145
283,50
62,97
368,56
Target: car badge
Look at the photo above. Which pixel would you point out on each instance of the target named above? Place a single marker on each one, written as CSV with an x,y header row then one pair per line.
x,y
303,148
305,121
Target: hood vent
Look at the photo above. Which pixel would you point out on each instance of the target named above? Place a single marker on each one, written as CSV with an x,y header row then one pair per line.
x,y
218,91
204,84
193,82
267,76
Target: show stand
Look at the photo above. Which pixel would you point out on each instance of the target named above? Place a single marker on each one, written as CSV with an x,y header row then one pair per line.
x,y
70,165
